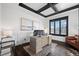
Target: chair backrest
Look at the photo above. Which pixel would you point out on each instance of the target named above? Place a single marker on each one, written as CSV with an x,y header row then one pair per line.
x,y
71,38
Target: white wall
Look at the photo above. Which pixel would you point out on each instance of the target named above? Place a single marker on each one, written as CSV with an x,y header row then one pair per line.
x,y
0,15
72,20
11,15
78,20
0,21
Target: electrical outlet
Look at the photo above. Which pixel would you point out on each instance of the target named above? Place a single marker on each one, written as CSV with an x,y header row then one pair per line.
x,y
24,38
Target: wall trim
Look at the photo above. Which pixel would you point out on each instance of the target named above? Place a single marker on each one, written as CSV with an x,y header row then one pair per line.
x,y
59,42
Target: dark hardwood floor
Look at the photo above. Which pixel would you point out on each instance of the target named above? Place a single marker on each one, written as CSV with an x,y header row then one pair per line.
x,y
19,51
55,50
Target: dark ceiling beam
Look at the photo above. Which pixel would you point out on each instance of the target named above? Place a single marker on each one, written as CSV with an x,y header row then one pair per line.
x,y
43,8
46,7
28,8
68,9
52,5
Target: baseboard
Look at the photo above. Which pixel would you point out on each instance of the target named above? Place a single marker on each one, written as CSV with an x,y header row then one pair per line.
x,y
24,44
59,42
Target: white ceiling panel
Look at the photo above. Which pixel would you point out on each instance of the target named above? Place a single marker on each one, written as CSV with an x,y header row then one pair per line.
x,y
48,11
62,6
35,6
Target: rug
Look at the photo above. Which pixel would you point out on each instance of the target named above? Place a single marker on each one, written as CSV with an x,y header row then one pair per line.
x,y
45,50
55,50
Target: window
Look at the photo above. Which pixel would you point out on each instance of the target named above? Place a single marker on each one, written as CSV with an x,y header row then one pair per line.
x,y
63,27
59,26
52,27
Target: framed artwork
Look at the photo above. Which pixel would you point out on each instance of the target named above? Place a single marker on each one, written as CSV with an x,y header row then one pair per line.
x,y
26,24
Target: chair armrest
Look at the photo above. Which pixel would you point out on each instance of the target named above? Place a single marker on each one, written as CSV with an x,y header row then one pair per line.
x,y
71,38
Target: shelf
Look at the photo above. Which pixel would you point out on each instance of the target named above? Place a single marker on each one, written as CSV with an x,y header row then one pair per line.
x,y
7,41
9,46
5,53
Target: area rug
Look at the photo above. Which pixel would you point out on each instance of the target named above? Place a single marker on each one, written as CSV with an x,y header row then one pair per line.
x,y
44,51
55,50
60,50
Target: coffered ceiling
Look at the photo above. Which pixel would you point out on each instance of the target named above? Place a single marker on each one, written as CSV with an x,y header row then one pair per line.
x,y
48,9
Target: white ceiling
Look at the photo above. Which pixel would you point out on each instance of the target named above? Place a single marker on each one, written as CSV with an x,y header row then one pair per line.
x,y
59,6
62,6
48,11
35,6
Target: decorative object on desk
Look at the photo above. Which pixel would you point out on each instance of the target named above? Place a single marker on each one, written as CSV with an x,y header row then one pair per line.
x,y
26,24
38,32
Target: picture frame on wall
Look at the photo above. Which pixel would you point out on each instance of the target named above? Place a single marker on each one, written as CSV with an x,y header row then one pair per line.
x,y
26,24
